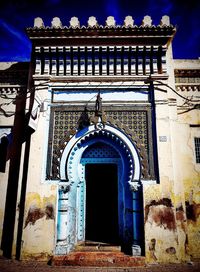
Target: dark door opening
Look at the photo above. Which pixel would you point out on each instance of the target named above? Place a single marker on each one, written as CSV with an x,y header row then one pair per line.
x,y
102,203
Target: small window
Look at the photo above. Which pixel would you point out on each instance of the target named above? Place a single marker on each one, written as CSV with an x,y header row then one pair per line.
x,y
197,149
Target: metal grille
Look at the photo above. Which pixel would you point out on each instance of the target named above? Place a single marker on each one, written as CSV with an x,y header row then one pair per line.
x,y
136,121
100,150
197,149
64,121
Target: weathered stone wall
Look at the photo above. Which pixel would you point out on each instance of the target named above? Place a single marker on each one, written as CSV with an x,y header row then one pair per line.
x,y
164,203
39,225
189,121
38,240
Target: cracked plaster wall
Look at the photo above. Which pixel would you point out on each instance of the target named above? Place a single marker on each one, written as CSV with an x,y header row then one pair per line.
x,y
39,230
39,224
166,237
191,180
189,168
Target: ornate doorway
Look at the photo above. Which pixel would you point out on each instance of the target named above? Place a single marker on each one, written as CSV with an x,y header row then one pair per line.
x,y
102,167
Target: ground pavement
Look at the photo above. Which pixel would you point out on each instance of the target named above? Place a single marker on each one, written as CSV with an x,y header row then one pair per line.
x,y
31,266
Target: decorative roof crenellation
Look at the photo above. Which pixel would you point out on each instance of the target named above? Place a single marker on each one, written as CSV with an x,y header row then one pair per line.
x,y
109,23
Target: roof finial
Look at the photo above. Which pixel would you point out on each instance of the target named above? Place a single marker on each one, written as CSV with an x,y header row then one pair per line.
x,y
56,23
38,22
128,22
74,22
165,21
92,22
147,21
110,22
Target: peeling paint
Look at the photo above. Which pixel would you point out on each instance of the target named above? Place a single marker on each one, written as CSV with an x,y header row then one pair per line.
x,y
39,224
36,213
193,246
38,238
192,211
181,218
152,249
33,199
49,211
191,188
161,213
171,250
180,213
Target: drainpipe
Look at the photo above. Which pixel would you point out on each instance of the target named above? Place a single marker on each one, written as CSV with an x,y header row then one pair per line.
x,y
154,130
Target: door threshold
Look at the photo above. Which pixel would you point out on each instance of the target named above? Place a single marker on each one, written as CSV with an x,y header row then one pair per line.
x,y
94,246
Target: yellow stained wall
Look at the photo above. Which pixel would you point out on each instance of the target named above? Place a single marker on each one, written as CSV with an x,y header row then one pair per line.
x,y
39,224
188,129
165,214
191,179
38,240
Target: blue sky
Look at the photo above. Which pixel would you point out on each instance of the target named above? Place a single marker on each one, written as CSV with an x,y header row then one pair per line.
x,y
16,15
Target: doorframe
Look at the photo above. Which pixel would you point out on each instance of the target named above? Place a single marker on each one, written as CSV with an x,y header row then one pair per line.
x,y
72,174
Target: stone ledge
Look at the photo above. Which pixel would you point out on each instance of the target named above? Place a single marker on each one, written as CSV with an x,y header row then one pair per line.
x,y
98,259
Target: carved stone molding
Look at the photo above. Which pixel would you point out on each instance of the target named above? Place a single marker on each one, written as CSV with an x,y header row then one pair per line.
x,y
64,188
134,185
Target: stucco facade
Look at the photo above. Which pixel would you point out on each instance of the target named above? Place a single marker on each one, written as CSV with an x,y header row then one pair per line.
x,y
109,124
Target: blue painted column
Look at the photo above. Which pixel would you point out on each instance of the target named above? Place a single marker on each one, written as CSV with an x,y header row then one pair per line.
x,y
138,219
62,213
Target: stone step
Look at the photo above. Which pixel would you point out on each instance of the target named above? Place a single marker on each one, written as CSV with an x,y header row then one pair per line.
x,y
97,247
99,259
